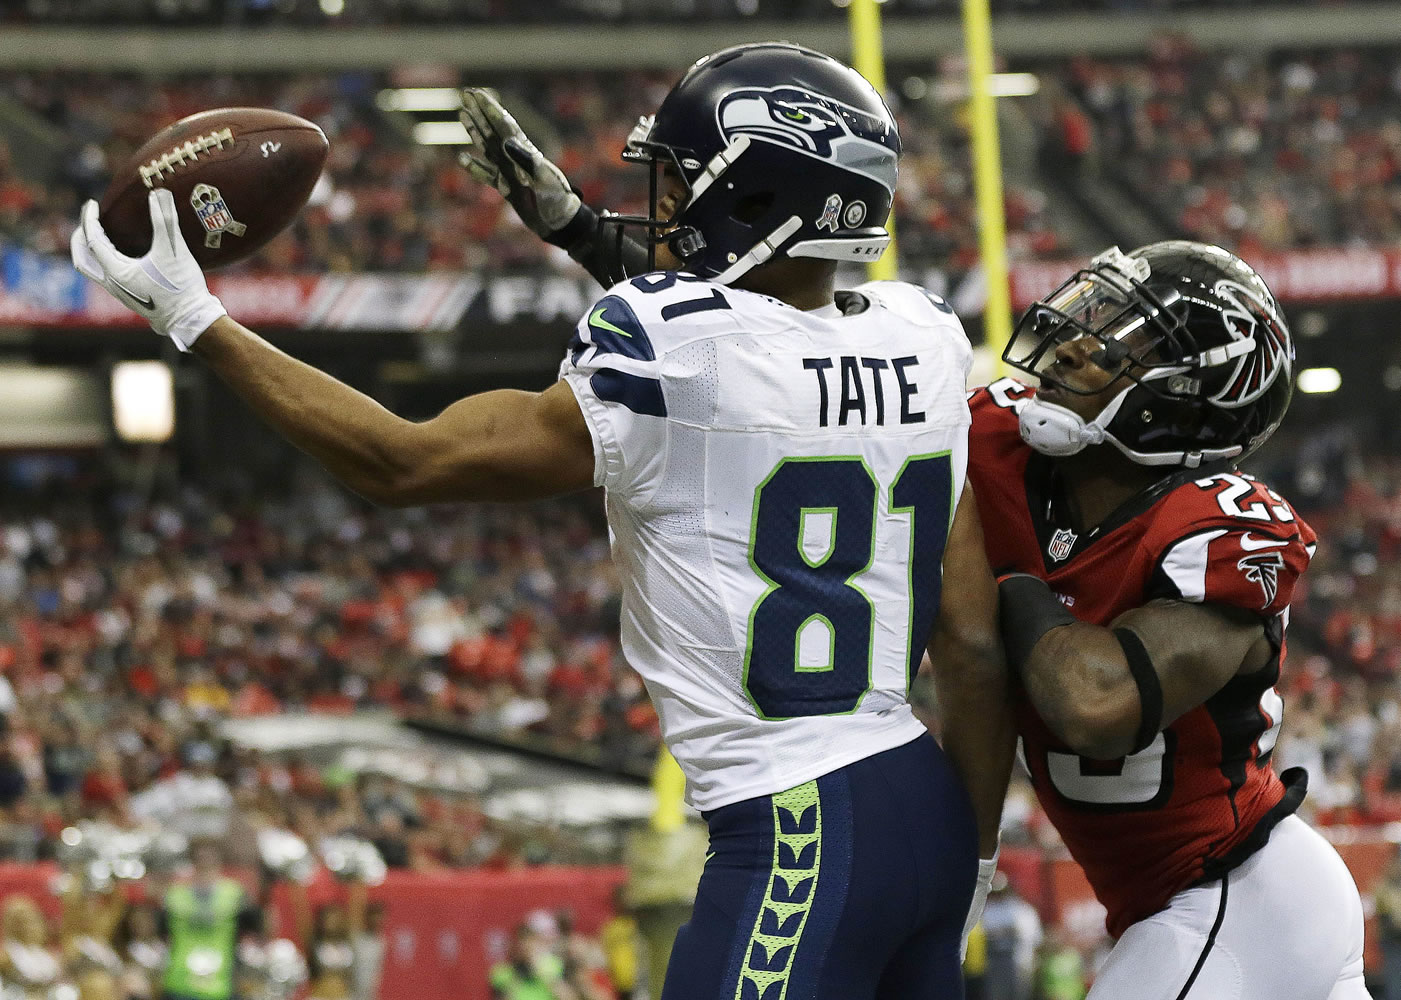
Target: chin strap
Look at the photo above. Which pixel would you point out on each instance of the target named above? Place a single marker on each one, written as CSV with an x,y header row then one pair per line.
x,y
759,252
1058,431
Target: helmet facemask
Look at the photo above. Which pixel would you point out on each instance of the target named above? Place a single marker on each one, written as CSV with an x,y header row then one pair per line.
x,y
766,226
1140,336
1167,376
660,159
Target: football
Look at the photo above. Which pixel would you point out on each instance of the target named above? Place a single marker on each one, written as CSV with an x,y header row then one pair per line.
x,y
239,176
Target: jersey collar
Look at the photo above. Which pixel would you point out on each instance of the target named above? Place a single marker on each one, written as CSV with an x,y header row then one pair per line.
x,y
1043,495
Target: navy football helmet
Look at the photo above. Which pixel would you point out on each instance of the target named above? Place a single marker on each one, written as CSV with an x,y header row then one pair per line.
x,y
781,150
1192,335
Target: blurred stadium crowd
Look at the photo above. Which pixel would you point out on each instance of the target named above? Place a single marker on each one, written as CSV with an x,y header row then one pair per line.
x,y
1297,151
131,627
1255,154
388,204
1340,678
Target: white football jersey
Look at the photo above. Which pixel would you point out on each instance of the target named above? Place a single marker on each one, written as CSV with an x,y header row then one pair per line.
x,y
780,485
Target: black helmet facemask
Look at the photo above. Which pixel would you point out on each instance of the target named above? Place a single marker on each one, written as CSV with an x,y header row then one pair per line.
x,y
1192,336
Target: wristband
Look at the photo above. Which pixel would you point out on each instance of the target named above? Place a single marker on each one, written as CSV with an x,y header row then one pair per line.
x,y
601,247
1028,610
576,230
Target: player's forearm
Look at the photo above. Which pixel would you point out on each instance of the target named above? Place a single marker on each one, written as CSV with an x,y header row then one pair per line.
x,y
1078,680
1076,675
1109,691
601,248
358,441
976,726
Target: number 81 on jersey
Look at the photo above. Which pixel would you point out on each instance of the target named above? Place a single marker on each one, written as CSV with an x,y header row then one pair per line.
x,y
818,593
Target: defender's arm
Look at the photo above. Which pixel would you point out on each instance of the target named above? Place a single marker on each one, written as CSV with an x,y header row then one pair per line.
x,y
502,445
970,674
1108,692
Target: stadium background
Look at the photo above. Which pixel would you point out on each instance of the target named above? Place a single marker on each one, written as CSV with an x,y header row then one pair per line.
x,y
197,627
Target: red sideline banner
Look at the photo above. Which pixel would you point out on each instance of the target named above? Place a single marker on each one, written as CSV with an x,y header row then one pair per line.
x,y
443,932
1298,276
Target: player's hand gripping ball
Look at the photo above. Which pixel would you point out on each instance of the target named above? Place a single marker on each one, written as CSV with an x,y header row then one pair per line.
x,y
239,177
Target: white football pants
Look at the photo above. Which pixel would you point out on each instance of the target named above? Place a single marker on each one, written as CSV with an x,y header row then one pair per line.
x,y
1285,925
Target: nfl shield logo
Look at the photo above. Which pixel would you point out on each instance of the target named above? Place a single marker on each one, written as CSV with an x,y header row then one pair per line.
x,y
1061,544
214,215
830,212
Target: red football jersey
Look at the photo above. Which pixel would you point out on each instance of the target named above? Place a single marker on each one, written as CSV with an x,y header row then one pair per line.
x,y
1203,796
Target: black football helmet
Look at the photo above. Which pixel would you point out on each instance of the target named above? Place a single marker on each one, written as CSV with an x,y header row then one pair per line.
x,y
1196,338
782,151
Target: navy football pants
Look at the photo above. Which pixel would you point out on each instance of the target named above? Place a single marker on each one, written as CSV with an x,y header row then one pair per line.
x,y
854,886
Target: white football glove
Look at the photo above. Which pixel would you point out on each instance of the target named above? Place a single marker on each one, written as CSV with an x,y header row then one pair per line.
x,y
502,156
166,286
987,868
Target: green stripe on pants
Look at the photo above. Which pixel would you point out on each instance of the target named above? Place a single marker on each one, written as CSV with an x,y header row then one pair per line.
x,y
797,855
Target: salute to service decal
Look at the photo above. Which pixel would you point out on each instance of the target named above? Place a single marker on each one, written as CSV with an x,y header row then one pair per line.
x,y
214,215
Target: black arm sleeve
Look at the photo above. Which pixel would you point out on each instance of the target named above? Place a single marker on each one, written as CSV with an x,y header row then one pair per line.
x,y
601,248
1028,610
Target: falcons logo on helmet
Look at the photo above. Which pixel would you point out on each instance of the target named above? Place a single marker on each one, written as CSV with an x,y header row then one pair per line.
x,y
1247,315
1263,569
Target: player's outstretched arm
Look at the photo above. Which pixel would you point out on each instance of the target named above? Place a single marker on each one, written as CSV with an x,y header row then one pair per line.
x,y
503,445
501,154
1108,692
970,674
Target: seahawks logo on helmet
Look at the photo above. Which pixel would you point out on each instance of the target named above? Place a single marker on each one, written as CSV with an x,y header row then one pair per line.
x,y
812,124
1247,315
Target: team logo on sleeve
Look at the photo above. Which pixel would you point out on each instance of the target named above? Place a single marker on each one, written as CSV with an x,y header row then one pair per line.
x,y
1263,569
214,215
1062,542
